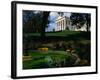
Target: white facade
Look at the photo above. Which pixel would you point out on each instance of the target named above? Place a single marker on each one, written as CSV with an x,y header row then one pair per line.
x,y
64,23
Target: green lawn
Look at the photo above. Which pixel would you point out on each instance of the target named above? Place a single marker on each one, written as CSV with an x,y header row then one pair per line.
x,y
45,59
59,33
68,34
57,58
31,34
62,33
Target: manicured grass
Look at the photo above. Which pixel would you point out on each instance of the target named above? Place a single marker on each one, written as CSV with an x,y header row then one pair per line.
x,y
42,59
49,59
61,33
31,34
58,33
68,34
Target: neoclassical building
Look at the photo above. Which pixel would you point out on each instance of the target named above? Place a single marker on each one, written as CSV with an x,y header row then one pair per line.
x,y
64,23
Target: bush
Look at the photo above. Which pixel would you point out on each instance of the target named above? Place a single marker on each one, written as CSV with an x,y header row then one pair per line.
x,y
53,30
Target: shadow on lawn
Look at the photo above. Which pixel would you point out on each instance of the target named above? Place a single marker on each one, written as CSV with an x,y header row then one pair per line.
x,y
77,36
79,42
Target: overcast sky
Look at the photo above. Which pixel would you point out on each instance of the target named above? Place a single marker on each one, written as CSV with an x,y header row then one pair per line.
x,y
52,19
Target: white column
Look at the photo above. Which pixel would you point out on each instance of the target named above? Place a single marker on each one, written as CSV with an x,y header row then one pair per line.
x,y
59,25
64,24
56,26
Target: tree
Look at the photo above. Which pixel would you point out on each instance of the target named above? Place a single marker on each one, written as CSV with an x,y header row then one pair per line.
x,y
88,20
60,13
54,30
80,19
35,21
27,21
45,22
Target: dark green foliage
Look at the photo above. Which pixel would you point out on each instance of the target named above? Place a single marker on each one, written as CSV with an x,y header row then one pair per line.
x,y
77,43
49,60
35,21
67,28
83,50
80,19
31,21
60,13
53,30
44,22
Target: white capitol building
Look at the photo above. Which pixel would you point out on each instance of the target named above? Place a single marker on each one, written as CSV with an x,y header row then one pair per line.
x,y
64,23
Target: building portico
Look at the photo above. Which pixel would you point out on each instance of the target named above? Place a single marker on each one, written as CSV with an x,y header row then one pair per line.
x,y
62,23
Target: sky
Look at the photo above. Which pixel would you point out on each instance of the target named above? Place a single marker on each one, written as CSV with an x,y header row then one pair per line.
x,y
52,19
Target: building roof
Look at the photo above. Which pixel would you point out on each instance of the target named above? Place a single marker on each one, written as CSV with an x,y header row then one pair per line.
x,y
61,17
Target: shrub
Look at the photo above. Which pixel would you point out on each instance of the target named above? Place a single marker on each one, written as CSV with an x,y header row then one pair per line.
x,y
43,49
53,30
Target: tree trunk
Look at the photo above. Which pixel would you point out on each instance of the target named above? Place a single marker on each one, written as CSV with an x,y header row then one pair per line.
x,y
43,31
87,27
44,23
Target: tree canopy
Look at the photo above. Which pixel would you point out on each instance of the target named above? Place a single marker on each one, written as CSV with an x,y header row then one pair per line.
x,y
81,19
34,21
